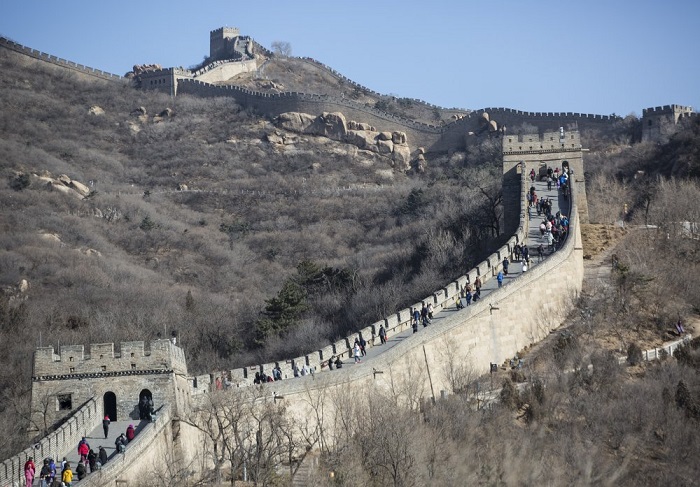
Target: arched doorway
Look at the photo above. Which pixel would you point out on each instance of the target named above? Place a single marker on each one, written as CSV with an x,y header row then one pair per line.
x,y
110,405
145,404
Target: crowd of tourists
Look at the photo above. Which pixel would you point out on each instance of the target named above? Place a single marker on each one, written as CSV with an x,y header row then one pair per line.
x,y
61,474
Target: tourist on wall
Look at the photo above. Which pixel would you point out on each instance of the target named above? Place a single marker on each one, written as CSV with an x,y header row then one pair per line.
x,y
67,476
130,433
102,455
81,471
505,265
416,317
105,426
499,278
92,459
29,471
83,449
356,352
45,473
382,334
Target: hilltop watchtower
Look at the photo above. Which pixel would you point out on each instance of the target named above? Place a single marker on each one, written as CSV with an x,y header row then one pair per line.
x,y
117,379
660,121
226,43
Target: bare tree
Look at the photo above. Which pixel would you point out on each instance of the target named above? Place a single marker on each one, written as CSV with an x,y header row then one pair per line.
x,y
282,48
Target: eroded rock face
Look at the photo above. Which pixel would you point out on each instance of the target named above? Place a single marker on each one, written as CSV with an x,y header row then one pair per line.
x,y
363,139
385,146
399,137
80,187
95,110
402,157
295,121
331,125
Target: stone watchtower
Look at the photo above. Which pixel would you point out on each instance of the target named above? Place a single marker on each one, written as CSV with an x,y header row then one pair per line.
x,y
555,149
116,379
660,121
220,40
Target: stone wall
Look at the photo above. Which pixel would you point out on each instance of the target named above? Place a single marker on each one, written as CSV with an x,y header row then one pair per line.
x,y
401,321
42,56
64,438
491,331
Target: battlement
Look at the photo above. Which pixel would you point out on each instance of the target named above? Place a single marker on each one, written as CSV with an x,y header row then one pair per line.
x,y
132,358
224,32
42,56
667,110
548,141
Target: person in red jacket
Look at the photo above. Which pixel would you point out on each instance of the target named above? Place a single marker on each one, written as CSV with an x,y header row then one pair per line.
x,y
83,450
130,433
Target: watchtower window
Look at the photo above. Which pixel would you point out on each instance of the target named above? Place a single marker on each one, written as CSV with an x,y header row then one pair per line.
x,y
133,366
65,402
101,356
104,367
70,359
72,369
132,354
650,123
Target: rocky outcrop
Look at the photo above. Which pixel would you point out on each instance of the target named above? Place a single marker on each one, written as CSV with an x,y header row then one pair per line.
x,y
295,121
142,68
80,187
402,157
95,110
333,125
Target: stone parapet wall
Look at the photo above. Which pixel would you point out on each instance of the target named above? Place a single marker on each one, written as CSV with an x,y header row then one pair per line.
x,y
55,444
490,331
399,321
42,56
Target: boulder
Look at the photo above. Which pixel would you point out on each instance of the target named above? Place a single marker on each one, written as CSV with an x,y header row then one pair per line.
x,y
295,121
23,286
54,186
493,126
331,125
95,110
398,137
385,146
362,139
402,157
421,150
182,187
80,187
166,113
364,126
274,138
352,125
64,179
137,112
384,136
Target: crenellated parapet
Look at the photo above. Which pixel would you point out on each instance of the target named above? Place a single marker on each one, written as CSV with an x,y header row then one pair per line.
x,y
72,361
42,56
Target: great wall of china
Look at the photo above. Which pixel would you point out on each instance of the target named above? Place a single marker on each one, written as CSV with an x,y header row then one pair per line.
x,y
84,387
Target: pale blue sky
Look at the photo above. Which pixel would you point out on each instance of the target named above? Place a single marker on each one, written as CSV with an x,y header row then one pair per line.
x,y
592,56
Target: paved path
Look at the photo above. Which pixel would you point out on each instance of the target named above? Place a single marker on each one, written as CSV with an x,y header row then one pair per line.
x,y
96,439
514,270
